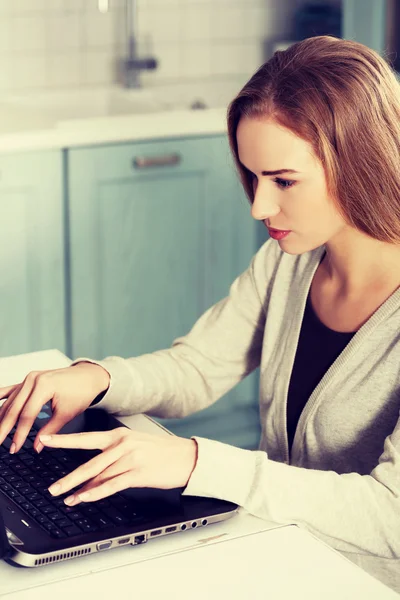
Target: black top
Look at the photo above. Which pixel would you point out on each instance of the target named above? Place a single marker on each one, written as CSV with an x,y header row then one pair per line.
x,y
317,350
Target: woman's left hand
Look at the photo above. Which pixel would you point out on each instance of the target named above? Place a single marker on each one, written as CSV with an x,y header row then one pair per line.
x,y
128,459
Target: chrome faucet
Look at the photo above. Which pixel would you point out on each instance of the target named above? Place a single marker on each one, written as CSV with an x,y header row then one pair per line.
x,y
132,65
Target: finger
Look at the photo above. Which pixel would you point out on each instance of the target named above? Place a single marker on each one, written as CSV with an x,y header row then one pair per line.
x,y
5,405
38,396
54,424
87,471
5,391
7,422
4,408
17,401
92,440
108,488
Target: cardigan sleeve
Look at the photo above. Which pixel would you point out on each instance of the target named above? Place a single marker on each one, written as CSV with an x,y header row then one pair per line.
x,y
352,513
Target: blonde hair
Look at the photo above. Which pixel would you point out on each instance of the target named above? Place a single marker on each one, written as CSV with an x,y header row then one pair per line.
x,y
344,99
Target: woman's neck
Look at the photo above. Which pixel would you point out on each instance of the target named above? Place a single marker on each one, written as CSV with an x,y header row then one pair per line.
x,y
355,263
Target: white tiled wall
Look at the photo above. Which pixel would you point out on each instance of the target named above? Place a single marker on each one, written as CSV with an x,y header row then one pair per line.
x,y
57,43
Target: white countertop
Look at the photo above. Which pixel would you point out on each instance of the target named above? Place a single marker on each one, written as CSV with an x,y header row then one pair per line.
x,y
71,118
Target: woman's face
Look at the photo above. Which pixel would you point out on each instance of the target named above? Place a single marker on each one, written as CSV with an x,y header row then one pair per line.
x,y
296,201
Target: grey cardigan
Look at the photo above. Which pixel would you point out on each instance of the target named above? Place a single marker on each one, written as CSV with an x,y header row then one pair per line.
x,y
343,479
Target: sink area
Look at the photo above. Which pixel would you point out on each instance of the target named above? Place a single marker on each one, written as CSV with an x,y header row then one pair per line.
x,y
73,108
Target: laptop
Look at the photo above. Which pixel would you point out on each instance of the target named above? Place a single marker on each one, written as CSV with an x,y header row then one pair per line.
x,y
42,529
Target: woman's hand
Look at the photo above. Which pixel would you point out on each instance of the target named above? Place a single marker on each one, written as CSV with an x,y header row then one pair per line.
x,y
129,459
70,390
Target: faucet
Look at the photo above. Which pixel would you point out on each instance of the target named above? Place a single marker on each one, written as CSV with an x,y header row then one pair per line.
x,y
132,65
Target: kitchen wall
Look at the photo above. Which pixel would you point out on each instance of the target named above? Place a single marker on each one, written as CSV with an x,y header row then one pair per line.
x,y
47,44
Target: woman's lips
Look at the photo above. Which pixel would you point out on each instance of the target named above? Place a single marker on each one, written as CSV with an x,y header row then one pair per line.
x,y
278,234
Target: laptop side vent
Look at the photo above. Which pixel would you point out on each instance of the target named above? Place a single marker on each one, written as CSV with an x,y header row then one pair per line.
x,y
61,556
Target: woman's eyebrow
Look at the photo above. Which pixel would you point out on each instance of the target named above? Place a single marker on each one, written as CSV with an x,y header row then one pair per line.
x,y
269,173
279,172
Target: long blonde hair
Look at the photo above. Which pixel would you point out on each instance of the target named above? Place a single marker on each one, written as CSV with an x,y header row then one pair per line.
x,y
344,99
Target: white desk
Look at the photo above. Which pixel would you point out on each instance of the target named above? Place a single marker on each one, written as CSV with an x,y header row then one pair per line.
x,y
243,557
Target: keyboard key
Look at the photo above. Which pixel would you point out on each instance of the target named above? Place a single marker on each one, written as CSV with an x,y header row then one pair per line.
x,y
46,510
14,478
18,467
89,510
116,516
41,503
42,519
57,533
61,523
55,515
85,525
102,521
33,497
76,514
72,530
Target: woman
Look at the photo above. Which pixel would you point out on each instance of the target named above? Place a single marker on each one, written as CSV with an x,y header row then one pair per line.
x,y
315,134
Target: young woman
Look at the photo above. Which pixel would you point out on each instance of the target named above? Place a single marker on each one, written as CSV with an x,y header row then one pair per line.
x,y
315,134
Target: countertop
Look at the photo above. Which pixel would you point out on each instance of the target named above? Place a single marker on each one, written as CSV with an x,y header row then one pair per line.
x,y
84,117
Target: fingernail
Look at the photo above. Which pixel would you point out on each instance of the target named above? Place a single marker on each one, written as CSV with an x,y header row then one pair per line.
x,y
54,489
69,500
84,496
12,448
45,438
39,448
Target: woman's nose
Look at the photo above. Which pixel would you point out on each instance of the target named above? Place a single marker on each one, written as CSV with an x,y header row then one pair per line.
x,y
263,208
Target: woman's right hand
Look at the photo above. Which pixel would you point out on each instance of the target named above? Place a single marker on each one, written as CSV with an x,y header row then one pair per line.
x,y
70,390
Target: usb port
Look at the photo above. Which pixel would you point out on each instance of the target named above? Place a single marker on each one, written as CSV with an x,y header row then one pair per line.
x,y
156,532
170,529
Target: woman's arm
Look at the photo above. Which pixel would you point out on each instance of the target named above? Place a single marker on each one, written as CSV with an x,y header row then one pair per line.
x,y
352,513
221,349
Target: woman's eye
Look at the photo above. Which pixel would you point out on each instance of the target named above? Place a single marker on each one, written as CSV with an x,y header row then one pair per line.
x,y
284,183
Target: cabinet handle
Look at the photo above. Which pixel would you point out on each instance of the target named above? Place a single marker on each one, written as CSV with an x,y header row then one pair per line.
x,y
145,162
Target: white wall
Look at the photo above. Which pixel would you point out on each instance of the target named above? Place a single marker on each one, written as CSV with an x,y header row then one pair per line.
x,y
47,44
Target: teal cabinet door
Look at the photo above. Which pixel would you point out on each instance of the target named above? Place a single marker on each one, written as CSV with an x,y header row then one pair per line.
x,y
32,270
365,21
158,232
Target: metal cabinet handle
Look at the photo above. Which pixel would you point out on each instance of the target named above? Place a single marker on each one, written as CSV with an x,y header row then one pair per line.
x,y
145,162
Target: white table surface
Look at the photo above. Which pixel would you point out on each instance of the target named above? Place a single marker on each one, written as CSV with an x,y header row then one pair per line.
x,y
243,557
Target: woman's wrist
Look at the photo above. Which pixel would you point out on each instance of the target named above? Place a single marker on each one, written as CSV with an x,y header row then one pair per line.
x,y
101,377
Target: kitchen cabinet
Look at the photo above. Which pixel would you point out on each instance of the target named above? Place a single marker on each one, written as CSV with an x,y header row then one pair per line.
x,y
365,21
158,231
32,253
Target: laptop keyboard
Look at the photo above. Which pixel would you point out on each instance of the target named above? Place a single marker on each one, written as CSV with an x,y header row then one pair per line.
x,y
25,477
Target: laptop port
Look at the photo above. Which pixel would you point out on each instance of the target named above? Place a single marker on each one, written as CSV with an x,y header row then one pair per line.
x,y
204,522
170,529
103,545
156,532
123,541
139,539
183,527
194,524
